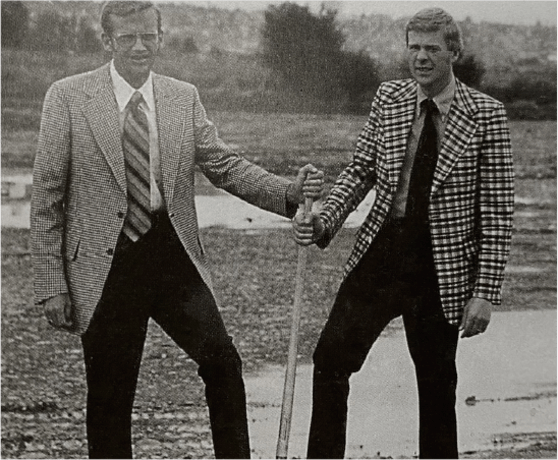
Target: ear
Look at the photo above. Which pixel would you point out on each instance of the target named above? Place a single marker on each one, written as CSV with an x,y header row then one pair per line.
x,y
107,42
455,56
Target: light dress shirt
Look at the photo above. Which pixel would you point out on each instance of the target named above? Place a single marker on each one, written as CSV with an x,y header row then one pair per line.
x,y
443,101
123,93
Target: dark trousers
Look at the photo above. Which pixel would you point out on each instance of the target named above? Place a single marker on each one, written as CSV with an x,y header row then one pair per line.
x,y
154,278
395,277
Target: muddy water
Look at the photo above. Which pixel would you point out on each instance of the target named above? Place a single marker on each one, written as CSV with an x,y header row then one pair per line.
x,y
215,208
507,384
507,376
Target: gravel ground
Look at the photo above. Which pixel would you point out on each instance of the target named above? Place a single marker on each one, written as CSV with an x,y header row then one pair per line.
x,y
43,388
42,372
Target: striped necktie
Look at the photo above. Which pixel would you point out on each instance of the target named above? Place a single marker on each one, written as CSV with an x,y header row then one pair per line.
x,y
135,144
424,165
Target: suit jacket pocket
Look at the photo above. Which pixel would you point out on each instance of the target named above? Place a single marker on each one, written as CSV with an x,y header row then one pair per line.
x,y
72,249
200,244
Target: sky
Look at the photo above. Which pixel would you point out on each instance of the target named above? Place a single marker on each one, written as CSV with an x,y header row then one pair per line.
x,y
526,12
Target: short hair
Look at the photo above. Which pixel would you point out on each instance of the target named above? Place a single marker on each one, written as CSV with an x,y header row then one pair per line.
x,y
125,8
433,20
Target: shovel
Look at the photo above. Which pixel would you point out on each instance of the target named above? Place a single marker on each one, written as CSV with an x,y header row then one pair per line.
x,y
289,387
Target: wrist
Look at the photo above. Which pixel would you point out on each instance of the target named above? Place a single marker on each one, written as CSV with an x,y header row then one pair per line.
x,y
479,297
319,230
292,196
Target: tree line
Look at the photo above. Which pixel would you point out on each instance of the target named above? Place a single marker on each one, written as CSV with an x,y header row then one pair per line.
x,y
304,54
49,31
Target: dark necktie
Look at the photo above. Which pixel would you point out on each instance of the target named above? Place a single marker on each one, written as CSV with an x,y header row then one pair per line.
x,y
135,144
423,167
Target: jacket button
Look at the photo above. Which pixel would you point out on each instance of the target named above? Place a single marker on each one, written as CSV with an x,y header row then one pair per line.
x,y
171,214
120,215
110,251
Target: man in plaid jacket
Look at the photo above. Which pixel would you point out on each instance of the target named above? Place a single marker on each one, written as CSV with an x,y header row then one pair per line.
x,y
115,232
442,268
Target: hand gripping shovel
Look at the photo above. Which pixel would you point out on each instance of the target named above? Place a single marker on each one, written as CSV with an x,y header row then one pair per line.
x,y
289,387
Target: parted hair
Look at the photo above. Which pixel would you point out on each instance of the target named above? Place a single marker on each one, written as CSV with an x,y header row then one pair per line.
x,y
125,8
433,20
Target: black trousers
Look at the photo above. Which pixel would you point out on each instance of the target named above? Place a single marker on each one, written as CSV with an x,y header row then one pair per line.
x,y
395,277
154,278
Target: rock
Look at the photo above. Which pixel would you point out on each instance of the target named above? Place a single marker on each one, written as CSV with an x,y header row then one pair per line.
x,y
72,444
37,455
149,444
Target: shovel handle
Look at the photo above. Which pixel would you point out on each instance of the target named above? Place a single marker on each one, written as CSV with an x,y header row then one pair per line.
x,y
289,387
307,207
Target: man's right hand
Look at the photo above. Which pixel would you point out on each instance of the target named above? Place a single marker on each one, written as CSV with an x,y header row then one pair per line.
x,y
58,311
307,229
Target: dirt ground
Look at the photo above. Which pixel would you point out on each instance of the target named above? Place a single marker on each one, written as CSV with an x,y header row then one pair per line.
x,y
42,372
43,392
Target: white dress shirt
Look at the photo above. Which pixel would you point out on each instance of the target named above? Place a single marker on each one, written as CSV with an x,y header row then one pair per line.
x,y
443,102
123,93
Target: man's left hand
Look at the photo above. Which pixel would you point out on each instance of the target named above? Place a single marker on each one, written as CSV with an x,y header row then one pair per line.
x,y
309,183
476,317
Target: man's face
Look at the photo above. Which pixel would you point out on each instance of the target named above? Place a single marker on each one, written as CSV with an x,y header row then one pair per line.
x,y
134,44
430,61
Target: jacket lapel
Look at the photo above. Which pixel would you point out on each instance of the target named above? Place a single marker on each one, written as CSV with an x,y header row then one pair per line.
x,y
460,129
170,127
399,117
101,112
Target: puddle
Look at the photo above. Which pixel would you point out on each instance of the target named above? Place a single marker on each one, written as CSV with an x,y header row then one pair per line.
x,y
221,210
510,371
215,208
15,214
525,269
531,201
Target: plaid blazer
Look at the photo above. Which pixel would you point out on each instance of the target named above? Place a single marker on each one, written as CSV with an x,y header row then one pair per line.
x,y
79,182
472,196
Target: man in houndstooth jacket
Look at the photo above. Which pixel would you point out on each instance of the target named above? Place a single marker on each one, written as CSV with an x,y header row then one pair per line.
x,y
442,270
102,283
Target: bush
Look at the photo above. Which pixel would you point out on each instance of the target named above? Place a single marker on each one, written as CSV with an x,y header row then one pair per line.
x,y
303,50
52,32
27,75
14,23
305,55
470,70
530,110
533,88
359,79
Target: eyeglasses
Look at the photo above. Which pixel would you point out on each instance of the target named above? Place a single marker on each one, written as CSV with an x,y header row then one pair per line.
x,y
129,40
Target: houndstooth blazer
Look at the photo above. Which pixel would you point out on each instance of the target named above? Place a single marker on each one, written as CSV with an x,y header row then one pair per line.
x,y
79,182
472,196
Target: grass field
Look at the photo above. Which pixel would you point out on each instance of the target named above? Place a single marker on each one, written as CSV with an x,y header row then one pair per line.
x,y
282,143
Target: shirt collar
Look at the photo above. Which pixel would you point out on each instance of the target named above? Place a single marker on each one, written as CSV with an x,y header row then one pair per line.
x,y
443,99
124,91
